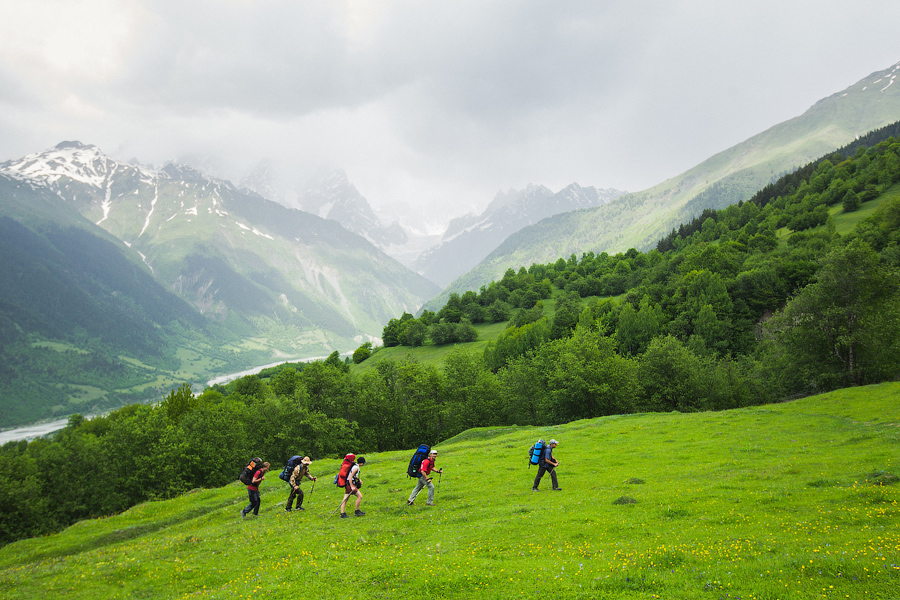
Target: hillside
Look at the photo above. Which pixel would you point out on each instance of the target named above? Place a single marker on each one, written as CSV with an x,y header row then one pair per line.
x,y
139,279
795,500
83,328
638,220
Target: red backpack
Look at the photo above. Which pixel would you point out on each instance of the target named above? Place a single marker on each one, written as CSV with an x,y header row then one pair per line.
x,y
340,479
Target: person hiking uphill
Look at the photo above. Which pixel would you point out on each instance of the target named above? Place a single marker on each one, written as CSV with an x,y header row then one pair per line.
x,y
547,463
424,480
253,491
351,488
297,475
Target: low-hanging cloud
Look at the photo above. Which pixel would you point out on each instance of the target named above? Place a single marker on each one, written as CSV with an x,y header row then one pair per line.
x,y
428,102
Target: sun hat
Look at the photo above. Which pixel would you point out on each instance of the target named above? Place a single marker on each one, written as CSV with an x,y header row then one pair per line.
x,y
553,442
305,460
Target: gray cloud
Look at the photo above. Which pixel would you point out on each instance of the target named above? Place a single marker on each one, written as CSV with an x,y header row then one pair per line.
x,y
430,102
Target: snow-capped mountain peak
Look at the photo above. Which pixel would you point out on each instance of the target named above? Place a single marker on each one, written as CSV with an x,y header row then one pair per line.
x,y
83,163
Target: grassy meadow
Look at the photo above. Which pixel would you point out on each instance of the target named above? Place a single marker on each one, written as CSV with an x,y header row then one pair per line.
x,y
794,500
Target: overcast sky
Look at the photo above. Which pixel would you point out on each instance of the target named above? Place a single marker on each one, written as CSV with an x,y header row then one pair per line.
x,y
436,104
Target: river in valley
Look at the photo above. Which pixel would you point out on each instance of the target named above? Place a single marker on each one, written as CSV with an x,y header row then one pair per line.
x,y
36,430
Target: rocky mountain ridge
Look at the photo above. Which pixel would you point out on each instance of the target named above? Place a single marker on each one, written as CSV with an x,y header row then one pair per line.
x,y
469,239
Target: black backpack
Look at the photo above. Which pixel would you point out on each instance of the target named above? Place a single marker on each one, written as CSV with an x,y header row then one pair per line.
x,y
536,453
415,463
246,476
289,468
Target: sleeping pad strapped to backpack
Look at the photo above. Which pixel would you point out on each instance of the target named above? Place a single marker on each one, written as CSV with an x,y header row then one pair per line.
x,y
415,463
534,454
289,468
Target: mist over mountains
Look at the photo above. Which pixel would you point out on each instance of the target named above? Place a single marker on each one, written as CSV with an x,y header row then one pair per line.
x,y
440,257
471,238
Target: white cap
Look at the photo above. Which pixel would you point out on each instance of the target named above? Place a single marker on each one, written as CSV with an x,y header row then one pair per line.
x,y
553,442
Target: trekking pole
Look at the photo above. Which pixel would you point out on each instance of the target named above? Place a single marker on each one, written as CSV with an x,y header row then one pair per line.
x,y
339,506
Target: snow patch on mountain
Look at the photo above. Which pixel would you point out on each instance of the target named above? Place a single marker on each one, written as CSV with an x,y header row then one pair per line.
x,y
83,163
107,202
152,209
253,230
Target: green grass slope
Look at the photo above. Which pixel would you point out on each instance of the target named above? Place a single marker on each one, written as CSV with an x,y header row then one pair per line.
x,y
785,501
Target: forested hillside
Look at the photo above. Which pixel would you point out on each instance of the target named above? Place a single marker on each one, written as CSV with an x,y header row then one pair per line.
x,y
788,294
83,328
637,220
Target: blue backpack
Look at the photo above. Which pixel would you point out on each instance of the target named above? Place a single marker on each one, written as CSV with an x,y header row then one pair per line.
x,y
535,453
289,468
415,463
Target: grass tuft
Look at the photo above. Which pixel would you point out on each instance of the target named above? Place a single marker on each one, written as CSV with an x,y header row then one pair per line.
x,y
883,478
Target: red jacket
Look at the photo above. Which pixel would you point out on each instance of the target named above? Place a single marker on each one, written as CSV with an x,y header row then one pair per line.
x,y
427,466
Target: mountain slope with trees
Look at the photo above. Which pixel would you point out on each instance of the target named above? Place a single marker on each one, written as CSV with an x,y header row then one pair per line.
x,y
638,220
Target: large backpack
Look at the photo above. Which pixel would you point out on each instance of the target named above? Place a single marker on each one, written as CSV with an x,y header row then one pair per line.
x,y
289,468
535,454
415,463
246,475
340,479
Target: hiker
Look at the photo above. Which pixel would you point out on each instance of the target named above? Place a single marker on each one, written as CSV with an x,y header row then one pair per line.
x,y
297,475
351,488
253,491
424,480
547,463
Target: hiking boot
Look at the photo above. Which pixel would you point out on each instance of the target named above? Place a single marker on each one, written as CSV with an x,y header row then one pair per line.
x,y
345,516
429,504
287,510
359,513
300,508
535,490
409,502
557,489
243,516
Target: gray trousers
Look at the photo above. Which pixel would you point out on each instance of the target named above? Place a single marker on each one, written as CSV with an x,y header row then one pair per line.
x,y
420,484
540,473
